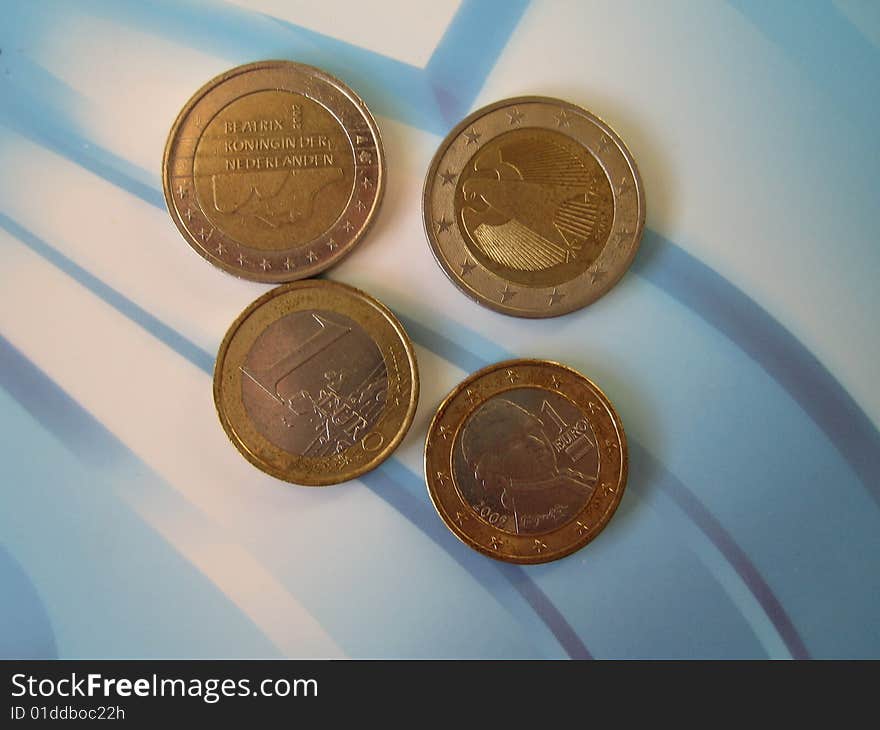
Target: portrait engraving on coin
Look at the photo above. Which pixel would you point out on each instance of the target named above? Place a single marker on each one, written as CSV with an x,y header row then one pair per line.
x,y
526,461
534,206
314,383
273,169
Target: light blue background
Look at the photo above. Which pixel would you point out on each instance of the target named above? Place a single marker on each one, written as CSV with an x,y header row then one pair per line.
x,y
741,349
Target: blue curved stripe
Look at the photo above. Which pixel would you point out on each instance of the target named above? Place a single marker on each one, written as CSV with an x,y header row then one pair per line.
x,y
771,346
687,501
419,512
830,51
643,463
701,289
430,98
381,481
27,628
202,359
422,518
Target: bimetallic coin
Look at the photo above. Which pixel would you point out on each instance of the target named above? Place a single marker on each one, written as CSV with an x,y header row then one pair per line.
x,y
273,171
526,461
316,383
533,207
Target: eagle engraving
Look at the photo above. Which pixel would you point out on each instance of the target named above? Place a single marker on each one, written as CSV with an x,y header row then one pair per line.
x,y
276,198
530,205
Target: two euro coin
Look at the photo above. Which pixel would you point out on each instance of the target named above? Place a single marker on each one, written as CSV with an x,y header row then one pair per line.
x,y
533,207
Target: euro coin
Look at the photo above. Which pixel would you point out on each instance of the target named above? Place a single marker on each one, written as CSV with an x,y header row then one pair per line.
x,y
316,383
533,207
526,461
273,171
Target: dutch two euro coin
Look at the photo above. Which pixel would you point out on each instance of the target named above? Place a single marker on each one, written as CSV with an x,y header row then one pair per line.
x,y
316,383
274,171
533,207
526,461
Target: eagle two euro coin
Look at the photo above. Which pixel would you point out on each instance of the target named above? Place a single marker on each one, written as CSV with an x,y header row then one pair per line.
x,y
533,207
316,383
526,461
273,171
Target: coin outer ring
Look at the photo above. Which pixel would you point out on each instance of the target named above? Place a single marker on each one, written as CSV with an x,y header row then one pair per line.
x,y
335,243
544,301
318,471
461,518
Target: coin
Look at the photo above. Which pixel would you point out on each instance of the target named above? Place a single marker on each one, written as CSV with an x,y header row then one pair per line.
x,y
533,207
273,171
526,461
316,383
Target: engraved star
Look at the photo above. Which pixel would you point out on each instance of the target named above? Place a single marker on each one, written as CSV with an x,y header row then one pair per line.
x,y
198,121
582,528
608,489
472,137
312,257
515,116
512,376
445,431
604,144
507,293
554,381
593,407
622,235
344,459
494,543
540,547
348,226
366,183
562,119
265,264
467,266
555,296
442,225
460,517
472,396
442,478
610,446
365,157
623,187
331,244
288,264
189,214
360,205
448,177
181,191
241,259
205,235
220,248
597,275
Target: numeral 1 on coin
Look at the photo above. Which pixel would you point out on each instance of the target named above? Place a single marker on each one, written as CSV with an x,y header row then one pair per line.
x,y
328,332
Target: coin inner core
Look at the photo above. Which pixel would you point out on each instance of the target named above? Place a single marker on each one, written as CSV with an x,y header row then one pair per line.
x,y
314,383
526,461
273,170
534,207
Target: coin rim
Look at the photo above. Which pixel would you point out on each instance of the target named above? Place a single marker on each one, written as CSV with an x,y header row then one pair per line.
x,y
340,477
313,269
595,293
595,529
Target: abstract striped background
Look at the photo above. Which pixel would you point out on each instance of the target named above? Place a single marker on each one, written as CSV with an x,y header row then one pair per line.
x,y
740,350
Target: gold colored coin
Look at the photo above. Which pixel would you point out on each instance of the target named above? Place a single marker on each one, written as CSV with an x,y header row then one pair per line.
x,y
273,171
526,461
533,207
316,383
